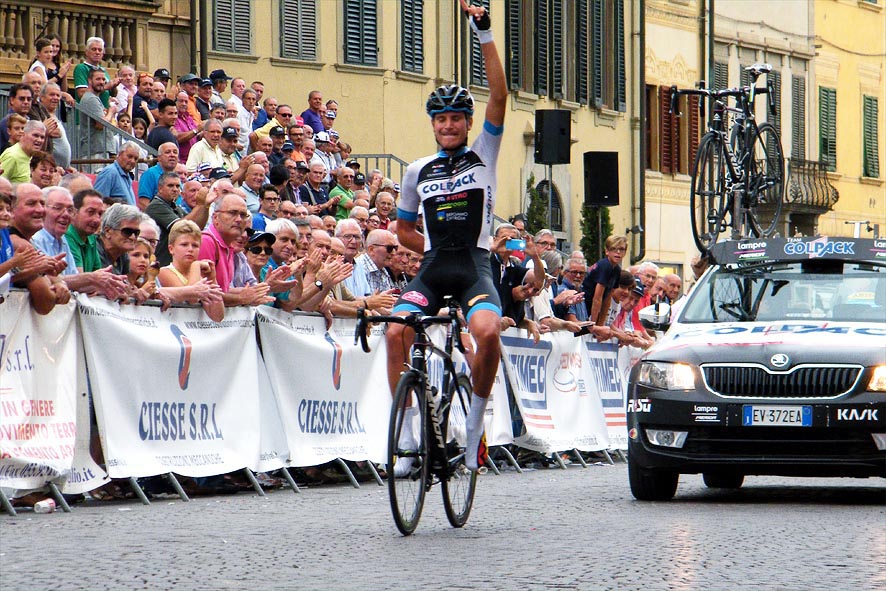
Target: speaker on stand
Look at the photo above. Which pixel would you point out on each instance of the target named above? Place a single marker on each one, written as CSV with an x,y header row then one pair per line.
x,y
601,186
553,139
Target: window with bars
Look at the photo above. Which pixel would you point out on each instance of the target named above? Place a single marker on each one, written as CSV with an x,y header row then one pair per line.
x,y
232,30
412,36
361,32
298,29
870,143
827,127
798,117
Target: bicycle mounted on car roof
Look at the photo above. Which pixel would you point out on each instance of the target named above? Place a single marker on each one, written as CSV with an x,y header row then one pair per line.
x,y
739,177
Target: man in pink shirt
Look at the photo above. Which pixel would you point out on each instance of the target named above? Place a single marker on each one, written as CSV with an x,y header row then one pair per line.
x,y
228,221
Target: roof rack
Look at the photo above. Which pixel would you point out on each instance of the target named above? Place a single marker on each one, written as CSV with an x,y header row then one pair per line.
x,y
755,250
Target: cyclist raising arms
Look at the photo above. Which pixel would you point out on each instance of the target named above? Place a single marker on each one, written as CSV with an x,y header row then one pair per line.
x,y
455,189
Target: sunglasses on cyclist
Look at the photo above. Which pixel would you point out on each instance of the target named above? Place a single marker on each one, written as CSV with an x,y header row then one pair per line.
x,y
261,249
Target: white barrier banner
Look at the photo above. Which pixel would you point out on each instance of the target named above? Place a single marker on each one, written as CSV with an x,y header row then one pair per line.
x,y
497,420
180,396
333,398
606,372
85,474
560,406
38,397
274,450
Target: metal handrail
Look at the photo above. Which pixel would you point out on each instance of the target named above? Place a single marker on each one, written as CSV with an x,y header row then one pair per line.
x,y
73,129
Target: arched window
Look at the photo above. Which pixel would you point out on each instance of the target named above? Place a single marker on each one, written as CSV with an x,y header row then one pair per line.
x,y
556,205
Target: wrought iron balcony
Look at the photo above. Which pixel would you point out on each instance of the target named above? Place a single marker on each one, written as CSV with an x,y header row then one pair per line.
x,y
807,186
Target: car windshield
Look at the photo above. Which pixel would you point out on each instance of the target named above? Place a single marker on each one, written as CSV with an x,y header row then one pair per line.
x,y
814,290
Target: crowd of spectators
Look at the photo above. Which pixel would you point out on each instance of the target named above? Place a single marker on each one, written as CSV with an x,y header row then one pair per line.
x,y
247,203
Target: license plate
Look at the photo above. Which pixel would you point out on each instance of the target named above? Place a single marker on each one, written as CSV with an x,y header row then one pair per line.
x,y
776,416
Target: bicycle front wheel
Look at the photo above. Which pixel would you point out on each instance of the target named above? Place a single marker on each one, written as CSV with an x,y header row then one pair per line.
x,y
708,199
765,189
459,487
408,447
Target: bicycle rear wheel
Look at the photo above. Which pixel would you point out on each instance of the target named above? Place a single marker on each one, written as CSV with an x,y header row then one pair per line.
x,y
407,492
765,189
708,198
459,487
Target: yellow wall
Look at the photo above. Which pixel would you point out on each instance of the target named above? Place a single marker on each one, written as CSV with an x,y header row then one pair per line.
x,y
851,40
672,57
381,110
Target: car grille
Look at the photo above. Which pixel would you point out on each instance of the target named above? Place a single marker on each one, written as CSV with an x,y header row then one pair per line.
x,y
803,381
781,443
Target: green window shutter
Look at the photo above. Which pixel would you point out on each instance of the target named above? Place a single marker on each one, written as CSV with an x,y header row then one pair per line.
x,y
871,145
721,75
598,41
798,118
620,82
775,120
581,51
541,48
478,69
361,32
298,29
557,90
233,26
412,13
744,78
827,127
514,43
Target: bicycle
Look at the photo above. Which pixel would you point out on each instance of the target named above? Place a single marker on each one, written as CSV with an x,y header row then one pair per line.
x,y
436,459
738,177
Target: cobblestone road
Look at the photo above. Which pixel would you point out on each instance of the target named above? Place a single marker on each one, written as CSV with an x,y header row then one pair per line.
x,y
546,529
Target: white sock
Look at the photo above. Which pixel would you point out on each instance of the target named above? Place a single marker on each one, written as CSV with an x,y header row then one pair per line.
x,y
406,442
474,425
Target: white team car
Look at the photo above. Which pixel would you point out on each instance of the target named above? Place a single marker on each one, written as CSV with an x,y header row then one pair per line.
x,y
775,365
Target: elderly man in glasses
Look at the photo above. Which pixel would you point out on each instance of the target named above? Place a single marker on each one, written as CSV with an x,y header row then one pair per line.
x,y
228,222
51,240
372,265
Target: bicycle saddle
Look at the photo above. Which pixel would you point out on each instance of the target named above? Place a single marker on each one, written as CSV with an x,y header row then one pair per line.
x,y
758,69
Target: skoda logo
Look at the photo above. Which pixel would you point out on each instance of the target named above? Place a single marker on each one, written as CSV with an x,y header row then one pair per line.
x,y
779,360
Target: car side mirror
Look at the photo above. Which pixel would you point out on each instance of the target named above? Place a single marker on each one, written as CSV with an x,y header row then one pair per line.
x,y
656,317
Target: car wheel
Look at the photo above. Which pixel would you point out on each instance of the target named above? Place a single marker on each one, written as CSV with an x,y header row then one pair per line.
x,y
652,485
723,479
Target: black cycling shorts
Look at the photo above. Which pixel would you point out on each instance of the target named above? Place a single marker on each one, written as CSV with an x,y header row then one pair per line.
x,y
463,273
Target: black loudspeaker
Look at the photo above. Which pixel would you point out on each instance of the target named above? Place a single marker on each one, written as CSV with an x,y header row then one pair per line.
x,y
553,132
601,179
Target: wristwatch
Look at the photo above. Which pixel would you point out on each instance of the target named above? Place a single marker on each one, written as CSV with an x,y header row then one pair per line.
x,y
319,284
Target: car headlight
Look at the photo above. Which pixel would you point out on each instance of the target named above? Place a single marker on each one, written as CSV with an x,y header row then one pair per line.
x,y
666,376
878,380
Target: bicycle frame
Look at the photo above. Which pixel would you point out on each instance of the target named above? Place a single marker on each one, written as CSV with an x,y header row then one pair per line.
x,y
437,401
421,351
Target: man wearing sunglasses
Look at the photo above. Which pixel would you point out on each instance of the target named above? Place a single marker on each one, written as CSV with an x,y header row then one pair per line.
x,y
118,235
283,118
372,264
